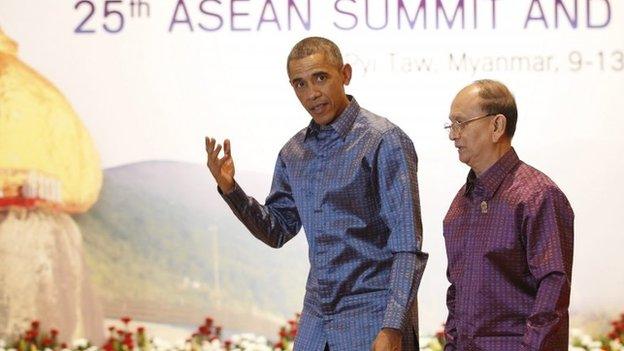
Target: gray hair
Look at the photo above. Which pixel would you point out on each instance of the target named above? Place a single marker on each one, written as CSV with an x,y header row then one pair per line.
x,y
496,98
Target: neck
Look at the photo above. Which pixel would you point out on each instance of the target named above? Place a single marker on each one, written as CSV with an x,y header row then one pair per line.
x,y
499,150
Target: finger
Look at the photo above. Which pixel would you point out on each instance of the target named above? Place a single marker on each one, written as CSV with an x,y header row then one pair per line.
x,y
212,152
227,150
209,144
217,150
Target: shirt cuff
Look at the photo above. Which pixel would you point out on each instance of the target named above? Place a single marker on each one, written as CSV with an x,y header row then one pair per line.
x,y
395,316
236,197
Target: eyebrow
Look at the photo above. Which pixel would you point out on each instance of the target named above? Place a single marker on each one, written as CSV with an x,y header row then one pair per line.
x,y
320,73
453,118
314,74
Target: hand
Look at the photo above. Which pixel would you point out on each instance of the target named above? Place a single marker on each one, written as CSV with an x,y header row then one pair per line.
x,y
388,339
222,169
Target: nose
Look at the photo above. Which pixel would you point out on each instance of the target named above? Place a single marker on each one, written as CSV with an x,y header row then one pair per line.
x,y
314,94
453,135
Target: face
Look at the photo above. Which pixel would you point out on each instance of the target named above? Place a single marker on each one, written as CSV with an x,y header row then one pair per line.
x,y
319,86
474,142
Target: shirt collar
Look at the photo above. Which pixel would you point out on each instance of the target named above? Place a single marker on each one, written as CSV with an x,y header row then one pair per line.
x,y
341,124
492,178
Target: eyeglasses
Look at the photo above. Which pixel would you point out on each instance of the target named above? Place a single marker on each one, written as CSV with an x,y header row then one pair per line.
x,y
457,127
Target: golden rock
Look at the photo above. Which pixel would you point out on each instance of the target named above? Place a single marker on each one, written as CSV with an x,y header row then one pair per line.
x,y
42,140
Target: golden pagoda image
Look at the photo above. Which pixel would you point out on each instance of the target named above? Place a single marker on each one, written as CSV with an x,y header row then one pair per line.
x,y
49,169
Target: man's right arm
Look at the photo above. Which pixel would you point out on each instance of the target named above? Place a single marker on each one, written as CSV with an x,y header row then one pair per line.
x,y
450,330
275,222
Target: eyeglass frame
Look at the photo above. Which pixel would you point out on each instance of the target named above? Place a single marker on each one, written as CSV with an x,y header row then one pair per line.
x,y
457,127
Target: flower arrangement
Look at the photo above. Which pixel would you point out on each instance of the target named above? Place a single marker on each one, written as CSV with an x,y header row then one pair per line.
x,y
287,334
613,341
208,337
36,339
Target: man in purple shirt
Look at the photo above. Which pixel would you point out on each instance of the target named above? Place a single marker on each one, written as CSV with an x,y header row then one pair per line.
x,y
508,234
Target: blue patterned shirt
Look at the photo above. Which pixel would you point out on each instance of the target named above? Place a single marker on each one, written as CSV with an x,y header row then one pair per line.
x,y
352,185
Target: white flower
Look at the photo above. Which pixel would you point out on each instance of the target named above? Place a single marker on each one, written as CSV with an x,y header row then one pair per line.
x,y
2,344
616,345
576,333
80,343
160,344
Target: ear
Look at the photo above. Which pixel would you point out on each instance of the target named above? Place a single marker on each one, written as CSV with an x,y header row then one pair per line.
x,y
500,123
346,73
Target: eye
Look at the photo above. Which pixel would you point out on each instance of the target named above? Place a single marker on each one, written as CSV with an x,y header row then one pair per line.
x,y
299,84
321,77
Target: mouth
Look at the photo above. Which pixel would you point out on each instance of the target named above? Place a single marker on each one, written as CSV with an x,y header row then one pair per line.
x,y
318,108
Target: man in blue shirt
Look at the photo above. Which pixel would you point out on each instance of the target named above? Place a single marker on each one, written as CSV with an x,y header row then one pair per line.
x,y
349,178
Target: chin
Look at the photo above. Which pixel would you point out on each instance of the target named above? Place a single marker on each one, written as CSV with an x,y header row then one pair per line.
x,y
323,120
463,159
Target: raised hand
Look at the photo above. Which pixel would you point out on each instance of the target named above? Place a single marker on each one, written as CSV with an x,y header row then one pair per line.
x,y
222,169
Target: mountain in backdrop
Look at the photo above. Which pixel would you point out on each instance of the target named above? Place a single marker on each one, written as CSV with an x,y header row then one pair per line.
x,y
163,246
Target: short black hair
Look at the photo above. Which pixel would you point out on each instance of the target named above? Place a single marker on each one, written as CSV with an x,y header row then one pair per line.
x,y
315,45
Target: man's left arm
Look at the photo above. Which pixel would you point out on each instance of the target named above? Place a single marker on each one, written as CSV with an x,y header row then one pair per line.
x,y
549,244
400,209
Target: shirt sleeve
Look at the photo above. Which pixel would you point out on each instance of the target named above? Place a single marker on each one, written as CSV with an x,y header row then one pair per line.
x,y
275,222
549,244
400,209
450,329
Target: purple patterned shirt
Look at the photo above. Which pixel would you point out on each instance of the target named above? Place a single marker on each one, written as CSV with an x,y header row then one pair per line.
x,y
509,237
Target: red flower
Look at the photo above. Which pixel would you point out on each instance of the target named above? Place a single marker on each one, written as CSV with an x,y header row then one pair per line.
x,y
111,329
279,345
126,320
63,345
121,333
54,333
208,321
35,324
203,330
31,335
129,344
140,330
